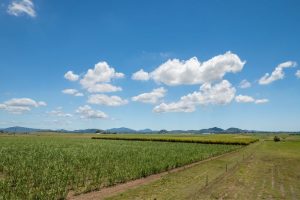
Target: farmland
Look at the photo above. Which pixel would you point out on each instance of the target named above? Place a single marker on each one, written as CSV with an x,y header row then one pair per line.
x,y
49,166
264,170
230,139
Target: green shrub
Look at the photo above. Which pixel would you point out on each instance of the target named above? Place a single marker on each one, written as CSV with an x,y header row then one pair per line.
x,y
276,139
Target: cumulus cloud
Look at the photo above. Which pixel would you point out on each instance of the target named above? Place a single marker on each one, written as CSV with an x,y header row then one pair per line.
x,y
79,94
21,7
87,112
261,101
42,103
24,102
103,87
2,106
277,74
249,99
20,105
97,79
141,75
59,113
245,84
59,122
218,94
71,76
192,71
14,109
102,99
152,97
298,74
244,99
73,92
180,106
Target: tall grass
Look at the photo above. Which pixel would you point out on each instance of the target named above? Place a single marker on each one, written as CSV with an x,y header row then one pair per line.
x,y
229,139
47,167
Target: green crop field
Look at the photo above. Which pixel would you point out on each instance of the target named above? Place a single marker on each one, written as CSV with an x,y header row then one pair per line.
x,y
264,170
49,166
230,139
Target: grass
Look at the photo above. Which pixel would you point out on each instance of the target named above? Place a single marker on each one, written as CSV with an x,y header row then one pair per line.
x,y
272,173
230,139
264,170
49,166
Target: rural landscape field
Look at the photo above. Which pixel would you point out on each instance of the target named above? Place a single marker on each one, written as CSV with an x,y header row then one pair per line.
x,y
149,100
50,166
74,166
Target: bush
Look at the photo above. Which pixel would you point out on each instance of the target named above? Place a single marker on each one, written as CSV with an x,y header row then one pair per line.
x,y
276,138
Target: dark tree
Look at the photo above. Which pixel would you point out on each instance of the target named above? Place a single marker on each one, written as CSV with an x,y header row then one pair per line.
x,y
163,131
276,139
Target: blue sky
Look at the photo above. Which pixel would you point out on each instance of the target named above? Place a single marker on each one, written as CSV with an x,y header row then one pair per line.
x,y
194,56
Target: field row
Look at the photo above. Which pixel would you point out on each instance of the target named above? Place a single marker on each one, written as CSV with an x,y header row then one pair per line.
x,y
204,139
265,170
48,167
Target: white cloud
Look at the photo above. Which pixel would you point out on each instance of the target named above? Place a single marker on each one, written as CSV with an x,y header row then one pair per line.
x,y
244,99
176,72
103,87
73,92
244,84
218,94
20,7
174,107
59,122
141,75
298,74
249,99
24,102
102,99
87,112
59,113
14,109
79,94
70,91
277,74
42,103
261,101
20,105
3,106
152,97
95,80
71,76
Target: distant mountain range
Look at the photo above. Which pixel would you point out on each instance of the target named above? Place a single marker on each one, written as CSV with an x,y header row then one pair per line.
x,y
121,130
18,129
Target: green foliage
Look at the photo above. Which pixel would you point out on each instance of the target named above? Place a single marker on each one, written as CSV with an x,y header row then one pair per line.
x,y
205,139
276,138
163,131
48,167
104,132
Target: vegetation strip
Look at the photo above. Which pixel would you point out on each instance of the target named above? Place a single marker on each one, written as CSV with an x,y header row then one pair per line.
x,y
116,189
48,167
264,170
187,184
200,139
